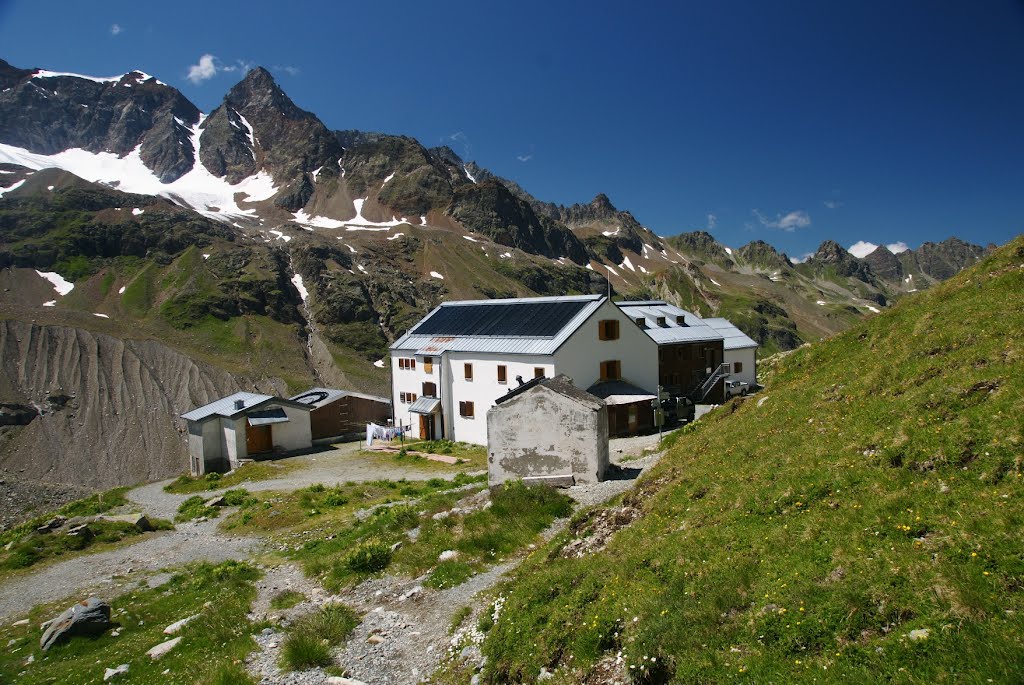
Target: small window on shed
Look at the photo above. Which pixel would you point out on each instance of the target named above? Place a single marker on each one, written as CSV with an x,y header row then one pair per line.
x,y
468,369
538,372
608,329
737,367
466,409
502,373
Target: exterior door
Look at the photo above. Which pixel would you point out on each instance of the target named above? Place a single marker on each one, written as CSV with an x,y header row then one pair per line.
x,y
632,418
258,439
427,426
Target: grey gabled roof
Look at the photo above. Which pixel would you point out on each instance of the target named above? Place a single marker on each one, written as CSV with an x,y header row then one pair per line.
x,y
735,339
561,384
695,330
225,407
318,397
530,325
425,405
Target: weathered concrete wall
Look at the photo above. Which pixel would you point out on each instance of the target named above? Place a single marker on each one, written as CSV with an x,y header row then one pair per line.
x,y
544,433
234,447
295,434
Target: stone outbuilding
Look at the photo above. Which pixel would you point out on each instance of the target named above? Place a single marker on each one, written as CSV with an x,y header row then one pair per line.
x,y
547,431
223,433
337,414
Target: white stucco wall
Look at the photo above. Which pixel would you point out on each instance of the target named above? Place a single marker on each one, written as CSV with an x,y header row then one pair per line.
x,y
747,358
581,355
484,389
404,380
294,434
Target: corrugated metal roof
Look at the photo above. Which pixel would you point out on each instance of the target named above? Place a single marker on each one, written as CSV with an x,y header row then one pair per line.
x,y
544,338
695,330
226,406
620,392
318,397
424,405
735,339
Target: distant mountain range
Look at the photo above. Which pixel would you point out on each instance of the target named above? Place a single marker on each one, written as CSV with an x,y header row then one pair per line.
x,y
261,244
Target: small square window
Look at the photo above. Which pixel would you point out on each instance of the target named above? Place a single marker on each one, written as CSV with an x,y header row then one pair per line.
x,y
737,367
502,373
466,410
538,372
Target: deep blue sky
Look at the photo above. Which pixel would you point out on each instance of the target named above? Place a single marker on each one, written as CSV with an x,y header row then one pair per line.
x,y
865,120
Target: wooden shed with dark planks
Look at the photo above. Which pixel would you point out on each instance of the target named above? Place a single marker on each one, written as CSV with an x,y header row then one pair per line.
x,y
340,413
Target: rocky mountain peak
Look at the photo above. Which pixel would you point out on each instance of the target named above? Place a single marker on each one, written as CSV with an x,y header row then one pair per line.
x,y
832,255
602,205
760,253
259,91
884,263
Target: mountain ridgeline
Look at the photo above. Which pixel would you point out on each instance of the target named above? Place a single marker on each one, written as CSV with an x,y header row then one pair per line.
x,y
263,245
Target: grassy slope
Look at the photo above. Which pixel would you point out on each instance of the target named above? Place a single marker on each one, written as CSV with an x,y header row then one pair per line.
x,y
875,491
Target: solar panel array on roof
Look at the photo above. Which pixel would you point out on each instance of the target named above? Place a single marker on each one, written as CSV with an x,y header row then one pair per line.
x,y
526,319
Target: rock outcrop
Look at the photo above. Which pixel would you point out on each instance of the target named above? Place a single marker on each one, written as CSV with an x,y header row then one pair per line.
x,y
85,619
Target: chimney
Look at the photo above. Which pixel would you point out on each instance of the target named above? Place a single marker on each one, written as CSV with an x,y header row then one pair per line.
x,y
239,404
519,380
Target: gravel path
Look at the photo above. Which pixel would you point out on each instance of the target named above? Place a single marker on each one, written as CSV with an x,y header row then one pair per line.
x,y
95,573
189,542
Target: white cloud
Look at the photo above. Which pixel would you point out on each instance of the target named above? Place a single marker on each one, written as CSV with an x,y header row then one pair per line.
x,y
524,158
288,69
898,247
204,70
862,248
115,29
833,204
804,258
712,222
788,222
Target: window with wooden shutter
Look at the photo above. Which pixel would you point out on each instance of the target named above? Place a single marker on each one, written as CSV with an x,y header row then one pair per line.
x,y
429,390
428,365
502,373
468,368
611,370
737,367
466,409
608,329
538,372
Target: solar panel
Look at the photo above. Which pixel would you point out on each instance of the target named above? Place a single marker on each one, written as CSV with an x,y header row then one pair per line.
x,y
527,319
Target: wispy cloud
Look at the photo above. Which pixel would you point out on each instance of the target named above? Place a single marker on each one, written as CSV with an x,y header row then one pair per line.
x,y
712,222
203,70
461,140
833,204
115,29
862,248
209,66
524,158
898,247
785,222
288,69
803,258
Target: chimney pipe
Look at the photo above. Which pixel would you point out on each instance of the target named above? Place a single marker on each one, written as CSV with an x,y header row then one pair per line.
x,y
519,380
239,404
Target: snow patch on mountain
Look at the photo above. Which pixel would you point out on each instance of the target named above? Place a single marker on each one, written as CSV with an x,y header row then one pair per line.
x,y
60,284
43,73
300,286
209,195
9,188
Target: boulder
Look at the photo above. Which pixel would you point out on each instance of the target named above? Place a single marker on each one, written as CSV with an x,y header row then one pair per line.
x,y
216,501
53,524
138,520
111,672
178,625
82,530
85,619
162,648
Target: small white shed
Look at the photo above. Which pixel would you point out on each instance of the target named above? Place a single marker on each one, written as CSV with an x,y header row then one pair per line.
x,y
223,433
547,431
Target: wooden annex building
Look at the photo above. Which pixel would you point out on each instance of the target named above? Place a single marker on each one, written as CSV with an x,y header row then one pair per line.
x,y
338,413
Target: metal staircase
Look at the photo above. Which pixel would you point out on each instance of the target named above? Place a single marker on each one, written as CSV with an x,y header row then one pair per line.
x,y
701,391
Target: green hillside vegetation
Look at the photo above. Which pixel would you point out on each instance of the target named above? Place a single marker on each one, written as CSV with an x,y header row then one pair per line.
x,y
858,521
